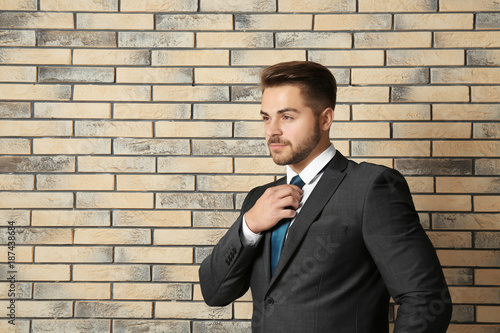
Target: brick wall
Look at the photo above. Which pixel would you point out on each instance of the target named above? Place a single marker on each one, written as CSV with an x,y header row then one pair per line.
x,y
129,135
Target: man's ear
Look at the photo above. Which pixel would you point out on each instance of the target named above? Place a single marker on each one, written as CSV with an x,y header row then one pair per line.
x,y
326,119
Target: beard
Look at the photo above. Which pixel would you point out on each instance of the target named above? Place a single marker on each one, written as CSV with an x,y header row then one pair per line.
x,y
298,152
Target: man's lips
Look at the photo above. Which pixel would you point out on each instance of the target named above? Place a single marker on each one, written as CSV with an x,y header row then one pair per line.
x,y
277,146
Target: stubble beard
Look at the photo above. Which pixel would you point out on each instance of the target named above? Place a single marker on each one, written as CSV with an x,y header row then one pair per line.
x,y
299,152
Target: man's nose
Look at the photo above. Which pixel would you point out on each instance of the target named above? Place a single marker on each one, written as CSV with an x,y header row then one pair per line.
x,y
273,128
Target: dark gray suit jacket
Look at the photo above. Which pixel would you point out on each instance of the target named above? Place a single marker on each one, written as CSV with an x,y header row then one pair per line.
x,y
356,241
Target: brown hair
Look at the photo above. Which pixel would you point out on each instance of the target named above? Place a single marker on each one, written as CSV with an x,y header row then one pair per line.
x,y
315,81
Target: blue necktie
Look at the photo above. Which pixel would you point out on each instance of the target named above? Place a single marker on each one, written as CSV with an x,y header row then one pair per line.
x,y
279,232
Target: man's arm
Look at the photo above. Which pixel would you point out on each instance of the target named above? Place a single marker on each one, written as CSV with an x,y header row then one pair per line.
x,y
405,256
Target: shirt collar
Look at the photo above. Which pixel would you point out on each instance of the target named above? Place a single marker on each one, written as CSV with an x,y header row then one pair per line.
x,y
313,168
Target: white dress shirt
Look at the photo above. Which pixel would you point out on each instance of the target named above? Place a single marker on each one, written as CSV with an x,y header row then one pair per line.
x,y
310,176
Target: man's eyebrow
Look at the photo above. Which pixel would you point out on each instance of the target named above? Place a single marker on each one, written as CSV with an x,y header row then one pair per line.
x,y
280,111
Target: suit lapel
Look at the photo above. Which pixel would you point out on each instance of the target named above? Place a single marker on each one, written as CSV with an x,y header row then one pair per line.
x,y
331,179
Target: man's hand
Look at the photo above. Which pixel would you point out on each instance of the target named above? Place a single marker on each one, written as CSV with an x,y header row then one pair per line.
x,y
275,204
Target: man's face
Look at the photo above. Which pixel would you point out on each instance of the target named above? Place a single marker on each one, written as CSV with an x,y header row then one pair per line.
x,y
291,128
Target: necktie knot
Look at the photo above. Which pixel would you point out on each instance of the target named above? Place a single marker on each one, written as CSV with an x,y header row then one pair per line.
x,y
297,181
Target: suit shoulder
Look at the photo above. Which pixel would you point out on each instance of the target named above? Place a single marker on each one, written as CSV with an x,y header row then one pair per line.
x,y
371,171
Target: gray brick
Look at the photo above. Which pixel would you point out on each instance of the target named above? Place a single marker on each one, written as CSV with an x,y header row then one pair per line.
x,y
37,164
32,236
15,110
200,253
313,40
17,38
488,21
194,201
483,57
72,325
151,326
230,147
245,94
427,166
76,74
214,219
156,39
151,147
487,167
194,22
76,38
220,327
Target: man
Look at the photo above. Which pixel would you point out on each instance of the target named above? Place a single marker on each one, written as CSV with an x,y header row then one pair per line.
x,y
325,254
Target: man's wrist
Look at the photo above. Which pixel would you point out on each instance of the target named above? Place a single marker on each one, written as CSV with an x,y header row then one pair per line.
x,y
250,238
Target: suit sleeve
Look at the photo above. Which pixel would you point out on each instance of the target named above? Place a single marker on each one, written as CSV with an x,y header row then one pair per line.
x,y
225,273
405,256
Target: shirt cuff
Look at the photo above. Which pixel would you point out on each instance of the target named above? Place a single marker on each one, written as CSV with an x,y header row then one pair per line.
x,y
249,237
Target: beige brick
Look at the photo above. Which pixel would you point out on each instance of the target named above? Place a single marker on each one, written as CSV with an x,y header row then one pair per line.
x,y
114,200
238,6
36,272
190,93
70,218
487,167
112,92
195,165
397,6
114,21
190,58
265,57
389,76
243,310
466,148
352,22
35,128
156,39
431,94
134,218
79,6
152,291
467,39
465,75
151,147
366,40
390,148
71,146
24,254
426,202
18,4
467,6
475,294
21,217
178,326
141,129
17,74
342,112
425,57
458,276
468,184
155,183
176,273
72,325
391,112
487,130
466,221
16,182
485,94
465,112
42,309
214,219
348,57
35,56
112,236
37,20
72,290
487,204
37,164
260,165
234,39
72,110
188,236
359,130
15,146
421,184
231,183
111,309
76,74
486,276
247,129
159,6
116,164
227,75
191,129
194,22
153,75
76,38
110,57
194,201
16,38
34,92
317,6
36,200
313,40
33,236
73,254
363,95
226,111
113,272
191,310
151,111
23,290
488,314
273,22
230,147
161,255
434,21
15,110
429,130
75,182
457,240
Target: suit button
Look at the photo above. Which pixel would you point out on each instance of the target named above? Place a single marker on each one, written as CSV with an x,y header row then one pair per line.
x,y
269,301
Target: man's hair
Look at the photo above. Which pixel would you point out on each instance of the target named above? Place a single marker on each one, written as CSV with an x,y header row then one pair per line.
x,y
316,82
